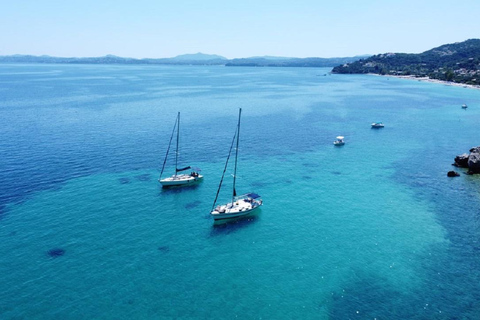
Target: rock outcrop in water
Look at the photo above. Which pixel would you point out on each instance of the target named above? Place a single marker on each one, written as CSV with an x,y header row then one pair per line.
x,y
470,161
453,174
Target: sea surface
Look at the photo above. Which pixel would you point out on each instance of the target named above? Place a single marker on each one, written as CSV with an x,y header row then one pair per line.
x,y
371,230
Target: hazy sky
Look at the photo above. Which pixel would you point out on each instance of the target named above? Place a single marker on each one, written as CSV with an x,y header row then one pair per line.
x,y
233,29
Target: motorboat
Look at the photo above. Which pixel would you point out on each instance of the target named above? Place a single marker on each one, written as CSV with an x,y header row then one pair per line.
x,y
340,141
377,125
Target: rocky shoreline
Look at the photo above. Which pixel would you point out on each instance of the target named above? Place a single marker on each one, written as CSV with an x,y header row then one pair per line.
x,y
469,161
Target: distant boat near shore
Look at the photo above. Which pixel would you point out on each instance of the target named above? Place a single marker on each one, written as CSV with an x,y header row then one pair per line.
x,y
464,106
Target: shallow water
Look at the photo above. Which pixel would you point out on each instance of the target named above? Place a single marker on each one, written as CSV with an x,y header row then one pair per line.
x,y
373,229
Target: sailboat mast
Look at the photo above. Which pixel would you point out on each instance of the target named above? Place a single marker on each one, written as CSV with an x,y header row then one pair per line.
x,y
178,138
236,155
168,149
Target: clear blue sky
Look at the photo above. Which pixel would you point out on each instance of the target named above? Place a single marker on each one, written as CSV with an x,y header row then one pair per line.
x,y
233,29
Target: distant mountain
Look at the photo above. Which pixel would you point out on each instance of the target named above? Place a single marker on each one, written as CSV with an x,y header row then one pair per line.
x,y
109,59
198,57
191,59
457,62
195,59
188,59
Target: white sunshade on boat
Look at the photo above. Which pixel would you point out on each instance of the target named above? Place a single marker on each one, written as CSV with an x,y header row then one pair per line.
x,y
340,137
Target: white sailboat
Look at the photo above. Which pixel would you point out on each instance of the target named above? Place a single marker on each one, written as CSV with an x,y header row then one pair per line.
x,y
240,205
183,178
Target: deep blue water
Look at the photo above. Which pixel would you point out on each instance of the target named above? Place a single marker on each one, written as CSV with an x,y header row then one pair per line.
x,y
373,229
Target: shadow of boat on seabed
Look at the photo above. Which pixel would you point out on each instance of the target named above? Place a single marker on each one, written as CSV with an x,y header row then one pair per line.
x,y
228,226
178,189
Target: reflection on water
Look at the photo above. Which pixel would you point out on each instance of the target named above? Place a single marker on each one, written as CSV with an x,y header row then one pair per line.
x,y
179,189
227,226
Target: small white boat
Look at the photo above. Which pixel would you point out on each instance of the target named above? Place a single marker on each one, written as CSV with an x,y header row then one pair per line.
x,y
464,106
240,205
178,179
339,141
377,125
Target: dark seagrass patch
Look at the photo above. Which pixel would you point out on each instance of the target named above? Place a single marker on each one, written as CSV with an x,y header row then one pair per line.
x,y
56,252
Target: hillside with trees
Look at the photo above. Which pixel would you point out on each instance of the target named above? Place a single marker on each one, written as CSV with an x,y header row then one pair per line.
x,y
456,62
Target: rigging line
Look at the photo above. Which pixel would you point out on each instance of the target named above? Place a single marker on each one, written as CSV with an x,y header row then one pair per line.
x,y
168,149
224,169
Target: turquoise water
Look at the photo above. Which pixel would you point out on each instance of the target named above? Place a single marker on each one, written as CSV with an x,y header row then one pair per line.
x,y
373,229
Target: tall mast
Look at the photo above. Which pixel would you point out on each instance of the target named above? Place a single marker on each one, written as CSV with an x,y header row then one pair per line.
x,y
178,138
236,155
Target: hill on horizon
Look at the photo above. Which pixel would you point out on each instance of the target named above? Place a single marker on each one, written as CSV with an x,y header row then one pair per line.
x,y
456,62
197,57
185,59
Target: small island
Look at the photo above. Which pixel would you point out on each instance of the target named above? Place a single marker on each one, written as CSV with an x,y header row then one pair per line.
x,y
456,63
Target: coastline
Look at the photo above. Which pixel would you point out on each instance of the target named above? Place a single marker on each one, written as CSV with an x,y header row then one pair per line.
x,y
427,79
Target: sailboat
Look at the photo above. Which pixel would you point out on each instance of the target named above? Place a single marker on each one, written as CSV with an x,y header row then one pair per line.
x,y
183,178
240,205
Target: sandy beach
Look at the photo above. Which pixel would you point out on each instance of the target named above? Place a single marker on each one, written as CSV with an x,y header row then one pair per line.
x,y
427,79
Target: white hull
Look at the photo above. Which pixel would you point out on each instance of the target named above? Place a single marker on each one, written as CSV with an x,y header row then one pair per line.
x,y
239,208
180,180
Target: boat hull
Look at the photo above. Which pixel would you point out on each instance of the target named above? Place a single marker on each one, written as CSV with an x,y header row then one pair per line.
x,y
239,208
180,180
232,215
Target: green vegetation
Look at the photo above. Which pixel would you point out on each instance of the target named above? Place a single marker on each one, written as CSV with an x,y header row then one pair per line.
x,y
457,62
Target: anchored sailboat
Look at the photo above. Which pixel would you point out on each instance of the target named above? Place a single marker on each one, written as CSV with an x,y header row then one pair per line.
x,y
178,179
240,205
